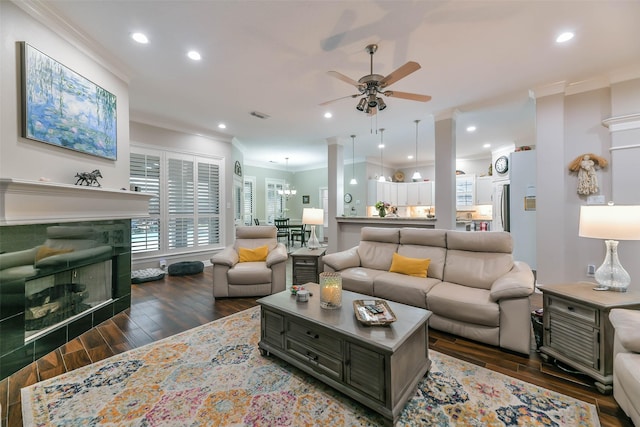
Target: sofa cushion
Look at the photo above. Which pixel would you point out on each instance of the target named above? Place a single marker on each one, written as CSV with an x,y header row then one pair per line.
x,y
435,254
359,279
416,267
496,241
252,255
403,289
627,370
376,255
476,269
382,235
463,303
249,273
627,328
423,237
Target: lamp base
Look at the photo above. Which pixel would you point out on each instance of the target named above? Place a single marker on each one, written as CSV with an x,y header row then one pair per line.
x,y
313,240
610,274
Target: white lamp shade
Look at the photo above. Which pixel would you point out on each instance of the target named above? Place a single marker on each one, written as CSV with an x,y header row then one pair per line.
x,y
610,222
312,216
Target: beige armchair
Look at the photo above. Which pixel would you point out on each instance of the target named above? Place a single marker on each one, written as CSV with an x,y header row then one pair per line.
x,y
626,361
232,278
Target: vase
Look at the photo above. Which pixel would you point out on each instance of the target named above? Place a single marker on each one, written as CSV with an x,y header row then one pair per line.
x,y
611,274
382,212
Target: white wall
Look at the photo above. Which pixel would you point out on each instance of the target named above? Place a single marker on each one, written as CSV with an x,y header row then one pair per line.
x,y
26,159
567,126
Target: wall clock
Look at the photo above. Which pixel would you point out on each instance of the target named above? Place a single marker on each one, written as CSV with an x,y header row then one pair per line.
x,y
502,164
348,198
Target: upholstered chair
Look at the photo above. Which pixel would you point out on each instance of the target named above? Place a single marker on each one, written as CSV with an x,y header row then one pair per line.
x,y
626,361
244,270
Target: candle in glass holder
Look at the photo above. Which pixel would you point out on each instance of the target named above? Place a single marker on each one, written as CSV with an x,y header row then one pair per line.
x,y
330,290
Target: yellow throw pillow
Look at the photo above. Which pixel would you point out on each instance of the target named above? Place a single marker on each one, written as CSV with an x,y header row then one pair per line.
x,y
410,266
45,251
253,255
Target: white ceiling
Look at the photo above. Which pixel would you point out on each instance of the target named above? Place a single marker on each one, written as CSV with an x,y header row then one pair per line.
x,y
479,60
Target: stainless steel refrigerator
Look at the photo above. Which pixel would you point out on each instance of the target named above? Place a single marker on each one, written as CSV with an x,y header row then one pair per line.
x,y
514,208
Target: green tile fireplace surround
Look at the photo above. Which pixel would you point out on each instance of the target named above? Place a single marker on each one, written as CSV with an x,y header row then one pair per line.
x,y
65,263
99,268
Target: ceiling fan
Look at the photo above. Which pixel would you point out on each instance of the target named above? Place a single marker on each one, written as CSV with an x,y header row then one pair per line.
x,y
372,85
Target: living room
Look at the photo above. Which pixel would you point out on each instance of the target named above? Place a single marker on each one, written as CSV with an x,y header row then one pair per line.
x,y
569,115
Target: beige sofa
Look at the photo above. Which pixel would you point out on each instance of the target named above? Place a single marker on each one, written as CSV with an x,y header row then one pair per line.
x,y
626,361
473,287
232,278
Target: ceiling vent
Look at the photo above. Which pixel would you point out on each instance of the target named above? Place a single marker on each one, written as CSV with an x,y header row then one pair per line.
x,y
259,115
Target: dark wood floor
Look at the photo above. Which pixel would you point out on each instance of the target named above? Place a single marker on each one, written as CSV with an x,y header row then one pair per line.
x,y
163,308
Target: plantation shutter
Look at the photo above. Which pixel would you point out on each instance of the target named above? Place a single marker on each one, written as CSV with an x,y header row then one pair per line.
x,y
274,201
249,207
208,204
180,203
144,173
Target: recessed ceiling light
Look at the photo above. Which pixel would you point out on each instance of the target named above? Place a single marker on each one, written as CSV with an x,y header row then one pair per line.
x,y
328,115
194,55
486,146
471,128
222,126
410,156
380,145
564,37
140,38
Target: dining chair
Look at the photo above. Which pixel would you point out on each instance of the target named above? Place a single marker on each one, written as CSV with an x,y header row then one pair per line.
x,y
282,224
256,221
299,234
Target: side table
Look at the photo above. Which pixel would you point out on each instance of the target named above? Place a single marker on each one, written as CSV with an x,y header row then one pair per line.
x,y
577,330
307,265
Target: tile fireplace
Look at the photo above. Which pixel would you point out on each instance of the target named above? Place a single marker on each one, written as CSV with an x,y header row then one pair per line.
x,y
65,264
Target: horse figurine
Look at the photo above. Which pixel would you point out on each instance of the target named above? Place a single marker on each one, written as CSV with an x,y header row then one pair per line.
x,y
89,178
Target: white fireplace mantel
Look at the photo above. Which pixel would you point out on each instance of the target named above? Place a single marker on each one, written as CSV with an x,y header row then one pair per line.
x,y
37,202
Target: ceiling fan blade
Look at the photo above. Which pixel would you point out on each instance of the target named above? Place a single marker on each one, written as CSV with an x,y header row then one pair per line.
x,y
344,78
338,99
407,95
400,73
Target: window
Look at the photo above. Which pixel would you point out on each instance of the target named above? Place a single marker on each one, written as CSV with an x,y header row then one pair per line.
x,y
249,200
185,216
145,175
274,202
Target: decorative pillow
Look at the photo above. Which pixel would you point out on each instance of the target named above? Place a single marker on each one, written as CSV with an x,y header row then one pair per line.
x,y
253,255
46,251
410,266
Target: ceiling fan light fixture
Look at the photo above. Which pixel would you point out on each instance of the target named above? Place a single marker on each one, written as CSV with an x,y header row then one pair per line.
x,y
373,101
361,104
381,104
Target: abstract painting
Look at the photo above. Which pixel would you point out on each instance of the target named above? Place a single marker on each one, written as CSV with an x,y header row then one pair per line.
x,y
63,108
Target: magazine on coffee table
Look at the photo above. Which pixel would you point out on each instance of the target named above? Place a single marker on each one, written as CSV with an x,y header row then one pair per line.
x,y
373,312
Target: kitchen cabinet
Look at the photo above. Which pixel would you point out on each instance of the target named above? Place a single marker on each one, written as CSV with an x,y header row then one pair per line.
x,y
419,193
382,191
484,190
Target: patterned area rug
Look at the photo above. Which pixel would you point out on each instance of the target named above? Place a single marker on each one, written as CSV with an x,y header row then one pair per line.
x,y
214,375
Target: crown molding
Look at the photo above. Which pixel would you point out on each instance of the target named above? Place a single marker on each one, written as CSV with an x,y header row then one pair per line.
x,y
628,122
50,18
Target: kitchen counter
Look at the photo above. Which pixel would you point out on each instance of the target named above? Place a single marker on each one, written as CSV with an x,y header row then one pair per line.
x,y
349,226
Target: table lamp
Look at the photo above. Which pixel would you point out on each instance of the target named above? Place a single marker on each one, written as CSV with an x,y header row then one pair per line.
x,y
611,223
313,217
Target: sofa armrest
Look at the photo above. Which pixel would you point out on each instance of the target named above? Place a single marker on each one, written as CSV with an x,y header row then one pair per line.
x,y
342,260
627,328
517,283
277,255
228,257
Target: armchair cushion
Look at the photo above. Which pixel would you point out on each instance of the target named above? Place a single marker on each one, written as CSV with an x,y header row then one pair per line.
x,y
249,273
252,255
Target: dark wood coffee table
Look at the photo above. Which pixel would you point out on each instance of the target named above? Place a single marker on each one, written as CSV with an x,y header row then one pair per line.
x,y
379,366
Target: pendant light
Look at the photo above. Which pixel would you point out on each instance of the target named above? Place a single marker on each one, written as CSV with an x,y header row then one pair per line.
x,y
416,175
353,161
287,191
381,178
